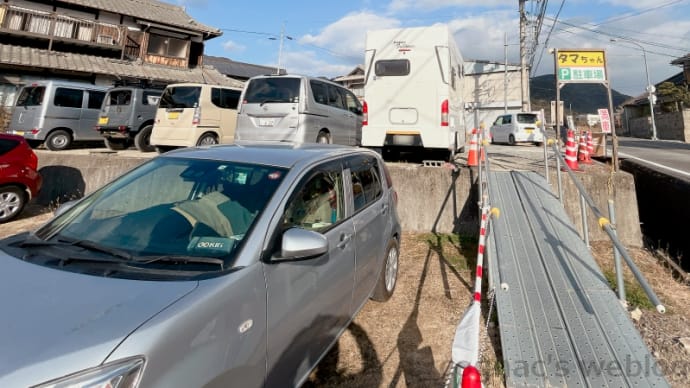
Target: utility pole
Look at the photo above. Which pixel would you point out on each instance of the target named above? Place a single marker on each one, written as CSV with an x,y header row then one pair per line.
x,y
505,73
524,79
280,47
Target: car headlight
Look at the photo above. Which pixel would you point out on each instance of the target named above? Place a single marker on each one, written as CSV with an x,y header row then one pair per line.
x,y
119,374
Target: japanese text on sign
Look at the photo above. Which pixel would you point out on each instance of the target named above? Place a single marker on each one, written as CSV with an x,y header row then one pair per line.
x,y
605,120
580,58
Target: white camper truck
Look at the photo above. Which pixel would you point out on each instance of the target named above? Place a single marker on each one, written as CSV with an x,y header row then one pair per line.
x,y
413,91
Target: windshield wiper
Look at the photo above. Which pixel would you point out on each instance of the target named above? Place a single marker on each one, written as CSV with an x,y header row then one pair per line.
x,y
183,259
93,246
33,241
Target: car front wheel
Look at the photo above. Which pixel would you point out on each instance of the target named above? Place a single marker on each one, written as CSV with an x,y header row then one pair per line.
x,y
388,277
12,201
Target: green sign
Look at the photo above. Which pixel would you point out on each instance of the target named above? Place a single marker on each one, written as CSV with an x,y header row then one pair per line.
x,y
581,74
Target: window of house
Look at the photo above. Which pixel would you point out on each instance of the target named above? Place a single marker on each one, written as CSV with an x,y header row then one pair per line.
x,y
167,46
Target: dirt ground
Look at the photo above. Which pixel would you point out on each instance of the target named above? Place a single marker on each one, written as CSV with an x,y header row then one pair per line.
x,y
406,342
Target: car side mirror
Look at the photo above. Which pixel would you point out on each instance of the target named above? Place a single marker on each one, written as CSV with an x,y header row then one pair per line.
x,y
301,244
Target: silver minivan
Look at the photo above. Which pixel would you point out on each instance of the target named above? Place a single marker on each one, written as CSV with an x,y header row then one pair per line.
x,y
57,113
298,109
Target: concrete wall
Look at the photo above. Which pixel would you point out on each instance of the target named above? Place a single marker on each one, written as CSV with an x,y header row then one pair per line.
x,y
430,199
669,126
601,186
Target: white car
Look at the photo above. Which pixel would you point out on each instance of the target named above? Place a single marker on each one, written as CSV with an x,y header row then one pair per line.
x,y
513,128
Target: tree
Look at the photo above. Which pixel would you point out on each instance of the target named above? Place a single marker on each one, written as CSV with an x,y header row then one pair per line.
x,y
670,95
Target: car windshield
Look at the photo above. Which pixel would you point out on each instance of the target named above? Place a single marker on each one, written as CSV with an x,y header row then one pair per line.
x,y
180,97
170,208
526,118
275,89
119,97
31,96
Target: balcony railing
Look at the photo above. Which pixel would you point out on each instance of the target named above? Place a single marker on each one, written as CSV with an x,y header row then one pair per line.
x,y
28,22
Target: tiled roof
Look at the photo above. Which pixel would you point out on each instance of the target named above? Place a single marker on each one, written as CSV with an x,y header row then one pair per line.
x,y
681,60
32,57
237,69
150,10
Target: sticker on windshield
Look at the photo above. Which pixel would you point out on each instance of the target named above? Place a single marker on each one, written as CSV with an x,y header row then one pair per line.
x,y
211,245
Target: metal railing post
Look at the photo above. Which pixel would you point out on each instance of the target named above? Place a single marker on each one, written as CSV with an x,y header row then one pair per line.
x,y
558,175
583,215
620,285
605,224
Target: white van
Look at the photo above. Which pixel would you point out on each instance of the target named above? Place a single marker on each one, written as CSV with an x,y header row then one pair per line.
x,y
191,114
57,113
521,127
299,108
413,91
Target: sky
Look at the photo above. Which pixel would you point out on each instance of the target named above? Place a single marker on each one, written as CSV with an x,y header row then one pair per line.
x,y
326,38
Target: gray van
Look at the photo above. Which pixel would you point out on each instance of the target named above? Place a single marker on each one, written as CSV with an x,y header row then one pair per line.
x,y
57,113
127,117
298,109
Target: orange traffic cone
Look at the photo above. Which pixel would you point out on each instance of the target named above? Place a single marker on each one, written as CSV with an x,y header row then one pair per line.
x,y
583,152
590,146
472,160
571,152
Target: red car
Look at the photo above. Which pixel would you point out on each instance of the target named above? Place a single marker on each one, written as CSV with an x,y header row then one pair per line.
x,y
19,178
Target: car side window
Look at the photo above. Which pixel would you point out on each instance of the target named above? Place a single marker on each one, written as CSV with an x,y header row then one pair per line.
x,y
95,99
68,98
318,202
506,119
335,99
499,120
318,89
352,102
366,181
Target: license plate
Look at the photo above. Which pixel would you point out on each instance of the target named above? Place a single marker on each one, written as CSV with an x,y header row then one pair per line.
x,y
529,130
173,115
102,120
266,122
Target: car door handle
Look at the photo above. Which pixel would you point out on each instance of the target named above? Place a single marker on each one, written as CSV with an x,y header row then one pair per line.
x,y
344,239
384,208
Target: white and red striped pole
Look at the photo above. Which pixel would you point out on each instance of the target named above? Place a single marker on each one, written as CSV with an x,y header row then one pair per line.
x,y
486,212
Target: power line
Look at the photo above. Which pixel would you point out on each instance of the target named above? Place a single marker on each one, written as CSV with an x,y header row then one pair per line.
x,y
546,42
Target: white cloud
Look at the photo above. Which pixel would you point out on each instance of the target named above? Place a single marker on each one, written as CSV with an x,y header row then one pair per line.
x,y
233,47
400,5
337,48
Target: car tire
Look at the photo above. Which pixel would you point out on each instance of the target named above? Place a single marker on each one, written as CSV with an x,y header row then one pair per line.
x,y
323,138
34,143
58,140
163,149
143,139
511,140
538,143
388,277
12,202
115,144
207,139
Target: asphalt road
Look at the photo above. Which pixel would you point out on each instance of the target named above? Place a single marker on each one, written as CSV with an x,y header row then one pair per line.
x,y
666,156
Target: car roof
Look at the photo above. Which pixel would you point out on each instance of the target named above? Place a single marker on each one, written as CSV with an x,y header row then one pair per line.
x,y
278,154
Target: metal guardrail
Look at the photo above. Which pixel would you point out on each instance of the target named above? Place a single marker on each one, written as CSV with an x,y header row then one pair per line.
x,y
605,224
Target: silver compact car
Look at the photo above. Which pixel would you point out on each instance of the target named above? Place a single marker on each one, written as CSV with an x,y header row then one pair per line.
x,y
221,266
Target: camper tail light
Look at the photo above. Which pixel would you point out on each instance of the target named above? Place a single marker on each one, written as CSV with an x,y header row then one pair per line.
x,y
196,119
444,113
365,113
35,131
